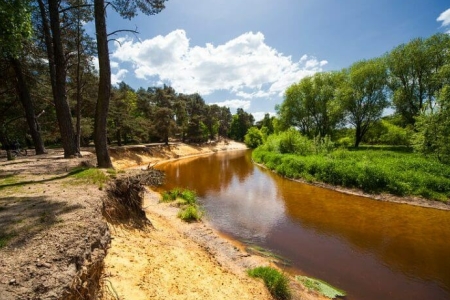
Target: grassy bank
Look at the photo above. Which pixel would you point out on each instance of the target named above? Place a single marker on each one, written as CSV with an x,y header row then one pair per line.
x,y
372,170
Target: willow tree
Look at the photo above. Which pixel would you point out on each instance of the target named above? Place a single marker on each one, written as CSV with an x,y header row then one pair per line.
x,y
363,95
311,105
413,68
127,9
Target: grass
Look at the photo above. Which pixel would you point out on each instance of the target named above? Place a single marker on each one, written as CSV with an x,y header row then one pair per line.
x,y
4,238
90,175
187,199
276,282
373,170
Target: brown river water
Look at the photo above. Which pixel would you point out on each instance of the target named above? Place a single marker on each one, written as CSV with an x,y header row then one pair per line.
x,y
371,249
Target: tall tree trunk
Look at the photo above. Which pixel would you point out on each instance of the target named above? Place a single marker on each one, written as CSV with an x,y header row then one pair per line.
x,y
25,99
104,87
58,70
79,84
358,136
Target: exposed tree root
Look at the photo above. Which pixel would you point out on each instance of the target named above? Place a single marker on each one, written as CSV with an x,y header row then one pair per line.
x,y
125,195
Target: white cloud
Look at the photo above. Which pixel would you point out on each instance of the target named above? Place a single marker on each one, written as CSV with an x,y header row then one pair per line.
x,y
245,66
115,77
119,76
234,104
445,19
259,115
257,94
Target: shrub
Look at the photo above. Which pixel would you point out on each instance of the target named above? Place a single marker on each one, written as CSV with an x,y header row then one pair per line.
x,y
253,138
276,282
291,141
190,213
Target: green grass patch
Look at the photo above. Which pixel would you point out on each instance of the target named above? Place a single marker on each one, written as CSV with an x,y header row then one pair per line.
x,y
5,238
90,175
276,282
190,210
8,179
190,213
376,170
321,287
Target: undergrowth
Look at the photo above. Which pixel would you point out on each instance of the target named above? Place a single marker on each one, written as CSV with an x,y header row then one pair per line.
x,y
276,282
373,171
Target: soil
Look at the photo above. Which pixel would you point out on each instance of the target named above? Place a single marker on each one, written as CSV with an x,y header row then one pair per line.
x,y
53,237
52,226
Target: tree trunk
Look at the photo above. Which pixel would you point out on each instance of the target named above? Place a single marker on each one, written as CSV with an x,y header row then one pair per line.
x,y
25,99
104,87
119,137
358,136
58,69
79,84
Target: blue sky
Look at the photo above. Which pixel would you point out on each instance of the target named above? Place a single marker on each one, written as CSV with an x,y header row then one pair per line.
x,y
244,53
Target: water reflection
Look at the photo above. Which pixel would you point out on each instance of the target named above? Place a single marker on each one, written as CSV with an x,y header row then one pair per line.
x,y
372,249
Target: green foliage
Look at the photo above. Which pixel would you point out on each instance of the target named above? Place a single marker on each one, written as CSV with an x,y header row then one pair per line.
x,y
433,129
253,138
15,26
190,210
311,105
321,287
413,77
190,213
345,142
372,170
90,175
276,282
385,132
240,124
363,95
291,141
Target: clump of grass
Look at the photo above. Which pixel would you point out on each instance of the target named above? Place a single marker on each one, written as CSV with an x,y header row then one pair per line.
x,y
90,175
190,213
321,287
275,281
187,199
4,238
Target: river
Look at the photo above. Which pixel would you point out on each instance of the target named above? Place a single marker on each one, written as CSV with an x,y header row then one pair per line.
x,y
371,249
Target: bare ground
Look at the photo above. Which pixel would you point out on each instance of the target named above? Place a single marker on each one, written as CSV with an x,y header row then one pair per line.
x,y
52,227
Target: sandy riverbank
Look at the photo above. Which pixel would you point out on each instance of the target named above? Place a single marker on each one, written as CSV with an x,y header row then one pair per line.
x,y
178,260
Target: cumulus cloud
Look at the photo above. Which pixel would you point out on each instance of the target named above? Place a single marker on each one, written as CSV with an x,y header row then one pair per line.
x,y
245,66
445,19
115,77
234,104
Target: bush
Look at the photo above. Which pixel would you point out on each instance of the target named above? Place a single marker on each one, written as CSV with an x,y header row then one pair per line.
x,y
291,141
253,138
276,282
